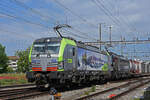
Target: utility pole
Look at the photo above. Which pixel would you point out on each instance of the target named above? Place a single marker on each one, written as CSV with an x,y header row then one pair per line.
x,y
134,39
121,46
100,34
110,27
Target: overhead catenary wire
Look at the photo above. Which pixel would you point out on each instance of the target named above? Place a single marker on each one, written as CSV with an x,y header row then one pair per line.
x,y
109,12
123,21
11,15
84,34
113,19
71,33
83,19
105,12
23,11
17,34
75,14
16,10
109,16
111,5
29,8
21,19
33,10
16,18
61,28
47,17
79,33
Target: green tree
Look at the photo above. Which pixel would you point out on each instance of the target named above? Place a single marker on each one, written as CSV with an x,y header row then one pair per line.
x,y
10,69
23,62
3,60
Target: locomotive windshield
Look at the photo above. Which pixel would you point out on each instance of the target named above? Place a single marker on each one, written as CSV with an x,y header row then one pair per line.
x,y
39,47
48,47
53,47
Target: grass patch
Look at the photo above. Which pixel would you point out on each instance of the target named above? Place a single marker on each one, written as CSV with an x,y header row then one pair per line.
x,y
86,92
93,89
12,79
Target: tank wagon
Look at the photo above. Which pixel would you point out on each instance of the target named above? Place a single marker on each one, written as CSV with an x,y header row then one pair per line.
x,y
139,68
135,66
61,61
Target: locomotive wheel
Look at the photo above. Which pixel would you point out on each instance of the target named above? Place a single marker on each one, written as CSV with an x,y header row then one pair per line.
x,y
102,80
40,85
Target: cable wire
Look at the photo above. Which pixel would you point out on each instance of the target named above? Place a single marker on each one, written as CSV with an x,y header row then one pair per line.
x,y
108,14
16,10
71,33
22,19
122,21
75,14
32,10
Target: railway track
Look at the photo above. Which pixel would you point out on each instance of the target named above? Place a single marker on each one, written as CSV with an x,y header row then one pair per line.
x,y
16,86
28,92
130,89
20,93
119,90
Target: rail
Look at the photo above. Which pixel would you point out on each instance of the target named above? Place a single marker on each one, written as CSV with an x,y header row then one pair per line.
x,y
115,88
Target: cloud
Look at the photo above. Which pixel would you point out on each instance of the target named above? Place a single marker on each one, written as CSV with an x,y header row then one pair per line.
x,y
25,1
132,16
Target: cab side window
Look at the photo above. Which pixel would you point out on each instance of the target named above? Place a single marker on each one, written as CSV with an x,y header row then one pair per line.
x,y
73,49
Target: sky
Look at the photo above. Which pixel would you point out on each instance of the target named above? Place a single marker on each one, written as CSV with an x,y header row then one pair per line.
x,y
23,21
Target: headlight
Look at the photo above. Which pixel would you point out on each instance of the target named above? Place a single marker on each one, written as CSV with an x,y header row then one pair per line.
x,y
61,64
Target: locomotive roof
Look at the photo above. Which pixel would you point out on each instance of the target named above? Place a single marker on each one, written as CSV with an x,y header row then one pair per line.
x,y
79,43
52,39
48,38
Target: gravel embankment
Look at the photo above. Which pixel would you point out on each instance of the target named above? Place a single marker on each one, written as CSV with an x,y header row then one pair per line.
x,y
136,93
130,96
71,95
